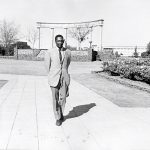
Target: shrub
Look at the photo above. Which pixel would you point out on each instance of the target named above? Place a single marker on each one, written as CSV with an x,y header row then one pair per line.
x,y
145,55
134,69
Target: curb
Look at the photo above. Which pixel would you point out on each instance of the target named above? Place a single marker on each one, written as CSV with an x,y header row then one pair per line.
x,y
120,81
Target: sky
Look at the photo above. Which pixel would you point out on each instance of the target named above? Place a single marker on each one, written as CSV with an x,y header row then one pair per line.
x,y
126,22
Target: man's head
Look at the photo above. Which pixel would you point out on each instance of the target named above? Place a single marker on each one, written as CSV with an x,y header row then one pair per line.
x,y
59,40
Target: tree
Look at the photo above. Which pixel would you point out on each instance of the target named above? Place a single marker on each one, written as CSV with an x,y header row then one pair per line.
x,y
117,54
32,37
147,53
144,54
135,54
79,33
148,48
8,35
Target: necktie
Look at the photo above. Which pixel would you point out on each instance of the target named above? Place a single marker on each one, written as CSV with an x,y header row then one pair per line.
x,y
60,56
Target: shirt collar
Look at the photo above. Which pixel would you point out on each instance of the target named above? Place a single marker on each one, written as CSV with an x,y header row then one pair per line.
x,y
62,49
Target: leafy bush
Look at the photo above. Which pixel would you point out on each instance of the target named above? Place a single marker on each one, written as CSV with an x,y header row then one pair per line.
x,y
145,55
134,69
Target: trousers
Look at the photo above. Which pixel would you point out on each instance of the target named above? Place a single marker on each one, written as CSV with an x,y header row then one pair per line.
x,y
59,94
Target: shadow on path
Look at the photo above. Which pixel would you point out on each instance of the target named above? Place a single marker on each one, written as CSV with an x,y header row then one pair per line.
x,y
3,82
79,110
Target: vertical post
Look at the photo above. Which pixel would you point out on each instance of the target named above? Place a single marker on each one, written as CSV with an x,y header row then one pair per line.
x,y
17,51
39,37
91,37
101,37
66,33
52,37
66,37
101,28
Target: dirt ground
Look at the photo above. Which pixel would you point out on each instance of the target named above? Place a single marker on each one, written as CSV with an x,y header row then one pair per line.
x,y
81,72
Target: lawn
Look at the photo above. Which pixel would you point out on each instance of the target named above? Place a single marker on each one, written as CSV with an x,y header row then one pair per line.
x,y
120,95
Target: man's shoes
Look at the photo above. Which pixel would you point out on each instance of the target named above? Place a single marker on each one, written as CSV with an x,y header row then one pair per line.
x,y
62,118
58,122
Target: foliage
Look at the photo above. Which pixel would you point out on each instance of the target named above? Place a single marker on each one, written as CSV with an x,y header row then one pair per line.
x,y
135,54
8,35
134,69
117,54
148,48
147,53
32,37
79,33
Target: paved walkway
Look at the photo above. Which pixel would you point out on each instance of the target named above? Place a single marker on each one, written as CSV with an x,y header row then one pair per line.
x,y
92,122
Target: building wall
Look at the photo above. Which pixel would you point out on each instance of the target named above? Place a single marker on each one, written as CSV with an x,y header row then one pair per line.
x,y
127,50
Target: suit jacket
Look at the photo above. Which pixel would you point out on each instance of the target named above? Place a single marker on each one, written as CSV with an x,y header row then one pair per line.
x,y
54,67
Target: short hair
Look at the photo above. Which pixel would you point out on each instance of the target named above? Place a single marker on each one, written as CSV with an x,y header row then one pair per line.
x,y
59,35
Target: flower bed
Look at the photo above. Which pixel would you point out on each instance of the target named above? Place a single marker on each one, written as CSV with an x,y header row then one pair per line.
x,y
134,69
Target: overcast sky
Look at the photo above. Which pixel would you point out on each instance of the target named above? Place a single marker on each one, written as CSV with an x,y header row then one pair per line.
x,y
126,22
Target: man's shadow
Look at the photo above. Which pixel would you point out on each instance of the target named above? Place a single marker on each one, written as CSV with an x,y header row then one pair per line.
x,y
79,110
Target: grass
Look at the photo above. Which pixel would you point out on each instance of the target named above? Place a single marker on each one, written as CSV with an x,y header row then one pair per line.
x,y
118,94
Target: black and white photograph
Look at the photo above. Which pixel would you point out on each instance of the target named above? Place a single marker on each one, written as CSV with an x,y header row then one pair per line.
x,y
74,75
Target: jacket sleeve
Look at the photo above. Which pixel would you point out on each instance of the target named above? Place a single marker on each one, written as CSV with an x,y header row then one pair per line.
x,y
47,61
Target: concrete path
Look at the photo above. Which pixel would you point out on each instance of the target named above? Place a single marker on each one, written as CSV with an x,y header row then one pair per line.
x,y
92,122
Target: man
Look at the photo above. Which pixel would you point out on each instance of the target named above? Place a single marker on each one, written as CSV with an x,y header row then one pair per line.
x,y
57,62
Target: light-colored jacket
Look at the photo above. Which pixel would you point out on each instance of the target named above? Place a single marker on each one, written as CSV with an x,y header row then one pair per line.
x,y
54,67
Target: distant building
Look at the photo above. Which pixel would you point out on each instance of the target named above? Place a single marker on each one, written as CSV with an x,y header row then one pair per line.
x,y
21,45
126,50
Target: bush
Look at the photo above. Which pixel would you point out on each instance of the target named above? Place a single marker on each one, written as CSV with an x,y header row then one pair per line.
x,y
134,69
145,55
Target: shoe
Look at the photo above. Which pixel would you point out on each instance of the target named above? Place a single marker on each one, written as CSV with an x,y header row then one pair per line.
x,y
62,118
58,122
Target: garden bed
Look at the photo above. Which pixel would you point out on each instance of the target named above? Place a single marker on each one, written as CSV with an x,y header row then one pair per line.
x,y
131,68
130,72
133,84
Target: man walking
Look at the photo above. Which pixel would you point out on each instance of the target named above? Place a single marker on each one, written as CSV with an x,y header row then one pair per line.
x,y
57,61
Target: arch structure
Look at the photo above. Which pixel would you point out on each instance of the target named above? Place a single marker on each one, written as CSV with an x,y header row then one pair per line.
x,y
66,26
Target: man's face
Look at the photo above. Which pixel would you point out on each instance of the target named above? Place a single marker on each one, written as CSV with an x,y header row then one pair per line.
x,y
59,42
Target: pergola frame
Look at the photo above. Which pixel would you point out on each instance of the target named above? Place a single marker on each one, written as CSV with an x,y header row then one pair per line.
x,y
66,26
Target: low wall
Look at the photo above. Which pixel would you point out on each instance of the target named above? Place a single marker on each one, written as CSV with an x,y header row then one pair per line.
x,y
79,55
29,54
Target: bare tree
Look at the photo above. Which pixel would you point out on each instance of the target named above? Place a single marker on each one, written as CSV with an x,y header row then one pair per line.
x,y
79,33
32,37
8,34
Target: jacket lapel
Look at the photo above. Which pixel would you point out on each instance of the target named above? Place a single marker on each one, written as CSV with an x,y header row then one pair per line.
x,y
64,55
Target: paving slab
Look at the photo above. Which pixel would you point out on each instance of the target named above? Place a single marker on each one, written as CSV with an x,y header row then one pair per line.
x,y
91,121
